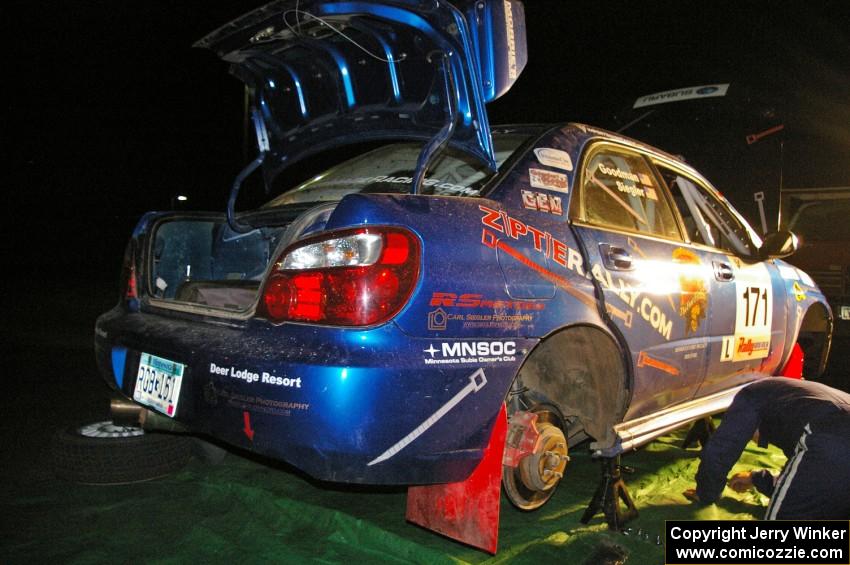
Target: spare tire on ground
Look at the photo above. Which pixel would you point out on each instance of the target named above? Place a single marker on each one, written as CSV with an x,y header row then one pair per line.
x,y
103,453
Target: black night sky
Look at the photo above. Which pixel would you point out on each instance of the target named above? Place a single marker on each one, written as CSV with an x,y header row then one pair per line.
x,y
110,112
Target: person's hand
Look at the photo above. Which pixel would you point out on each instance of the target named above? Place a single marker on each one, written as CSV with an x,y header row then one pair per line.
x,y
741,482
691,494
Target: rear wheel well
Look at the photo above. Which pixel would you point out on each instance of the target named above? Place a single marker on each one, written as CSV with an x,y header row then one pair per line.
x,y
580,371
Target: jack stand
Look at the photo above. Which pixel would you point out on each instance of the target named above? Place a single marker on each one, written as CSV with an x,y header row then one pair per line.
x,y
607,497
700,431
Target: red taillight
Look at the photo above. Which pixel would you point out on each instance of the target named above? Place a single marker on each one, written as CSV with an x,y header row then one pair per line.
x,y
353,278
129,287
131,292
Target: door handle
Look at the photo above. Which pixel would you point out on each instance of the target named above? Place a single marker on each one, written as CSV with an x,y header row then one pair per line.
x,y
616,258
723,271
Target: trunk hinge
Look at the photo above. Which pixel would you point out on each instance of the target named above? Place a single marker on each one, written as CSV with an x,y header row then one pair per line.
x,y
442,137
263,145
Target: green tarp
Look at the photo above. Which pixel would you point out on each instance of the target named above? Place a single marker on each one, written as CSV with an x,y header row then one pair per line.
x,y
247,511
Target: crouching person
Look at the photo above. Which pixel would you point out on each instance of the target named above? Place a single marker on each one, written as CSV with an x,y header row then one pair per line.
x,y
810,422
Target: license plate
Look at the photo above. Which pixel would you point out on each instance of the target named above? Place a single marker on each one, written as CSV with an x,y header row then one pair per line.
x,y
158,383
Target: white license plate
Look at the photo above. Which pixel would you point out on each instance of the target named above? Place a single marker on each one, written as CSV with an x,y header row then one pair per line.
x,y
158,383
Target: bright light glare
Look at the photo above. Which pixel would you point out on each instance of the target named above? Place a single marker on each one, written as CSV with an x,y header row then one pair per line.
x,y
359,250
182,198
664,277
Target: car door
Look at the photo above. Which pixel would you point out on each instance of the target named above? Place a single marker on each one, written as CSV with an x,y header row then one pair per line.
x,y
746,327
654,287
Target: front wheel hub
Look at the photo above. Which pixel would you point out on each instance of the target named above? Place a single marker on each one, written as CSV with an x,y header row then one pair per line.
x,y
535,457
543,468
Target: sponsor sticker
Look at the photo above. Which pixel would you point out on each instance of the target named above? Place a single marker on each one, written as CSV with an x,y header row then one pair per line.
x,y
554,158
214,396
693,302
475,311
744,348
438,320
462,352
542,202
438,186
549,180
562,254
645,360
679,94
477,381
251,377
692,350
799,293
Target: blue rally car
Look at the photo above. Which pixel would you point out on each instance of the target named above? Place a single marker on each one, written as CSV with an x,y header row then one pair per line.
x,y
428,292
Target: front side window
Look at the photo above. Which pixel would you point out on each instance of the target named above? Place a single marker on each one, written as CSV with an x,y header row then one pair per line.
x,y
708,221
620,191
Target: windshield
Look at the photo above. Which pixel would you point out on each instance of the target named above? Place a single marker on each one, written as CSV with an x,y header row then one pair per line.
x,y
390,169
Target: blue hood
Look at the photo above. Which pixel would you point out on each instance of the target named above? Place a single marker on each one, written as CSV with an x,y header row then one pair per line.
x,y
327,73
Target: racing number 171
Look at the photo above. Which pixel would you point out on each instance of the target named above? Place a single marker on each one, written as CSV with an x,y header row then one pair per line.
x,y
753,296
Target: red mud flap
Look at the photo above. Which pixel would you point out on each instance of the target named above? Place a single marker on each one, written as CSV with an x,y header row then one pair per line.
x,y
467,511
794,366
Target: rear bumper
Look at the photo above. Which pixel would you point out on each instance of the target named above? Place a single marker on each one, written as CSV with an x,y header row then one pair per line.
x,y
328,401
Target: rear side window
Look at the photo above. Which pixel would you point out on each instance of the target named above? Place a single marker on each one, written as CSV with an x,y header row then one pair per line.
x,y
620,191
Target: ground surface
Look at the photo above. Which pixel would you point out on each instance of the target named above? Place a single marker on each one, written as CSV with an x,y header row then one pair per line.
x,y
250,510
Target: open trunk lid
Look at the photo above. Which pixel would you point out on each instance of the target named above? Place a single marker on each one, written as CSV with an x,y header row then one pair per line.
x,y
321,73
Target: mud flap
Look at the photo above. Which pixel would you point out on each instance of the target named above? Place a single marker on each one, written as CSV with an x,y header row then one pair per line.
x,y
467,511
794,367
